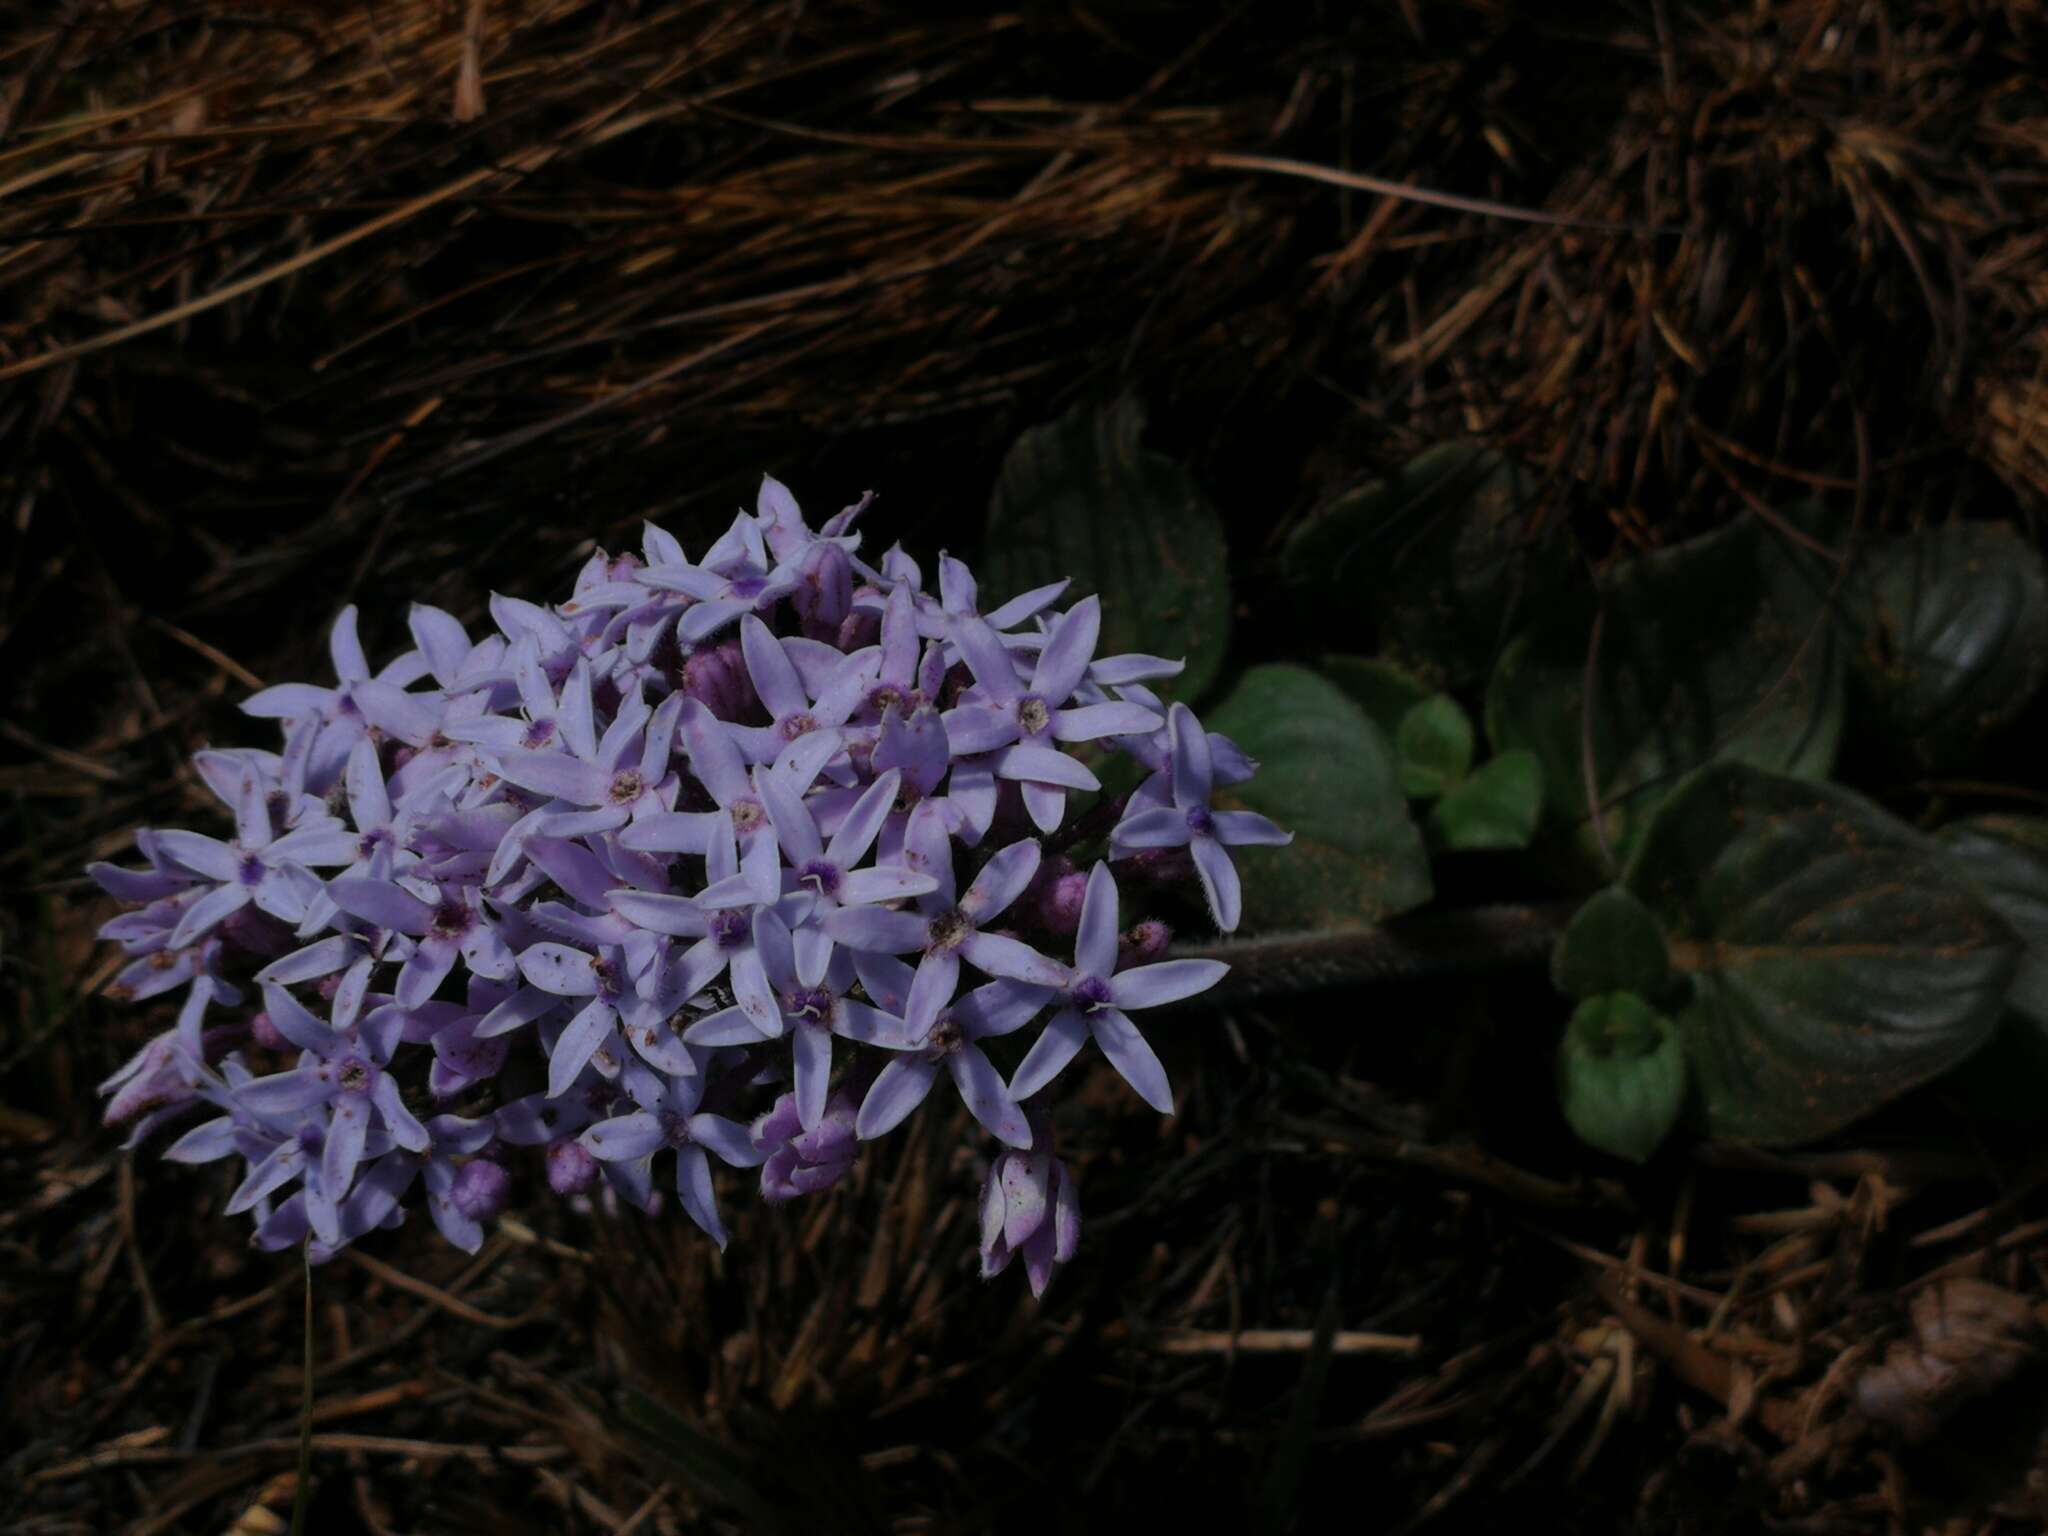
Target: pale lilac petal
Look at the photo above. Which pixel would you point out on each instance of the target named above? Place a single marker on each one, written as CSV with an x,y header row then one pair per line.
x,y
288,701
290,1018
869,1026
624,1138
918,748
521,1008
316,846
381,902
252,813
1133,1058
578,1042
207,913
1095,941
794,827
561,970
1117,671
399,1121
1001,880
1240,829
888,883
1026,1194
1027,604
284,1093
677,916
751,991
1091,722
659,1047
671,832
1064,1035
346,649
931,991
1069,647
727,1139
928,849
728,1026
976,728
856,834
812,1052
987,1098
397,713
987,658
1045,805
774,676
368,801
203,855
556,774
1152,986
311,963
695,1194
1045,765
1012,959
1219,882
999,1008
875,929
423,974
813,948
778,953
887,979
486,953
1160,827
577,715
204,1143
441,639
901,1087
1191,769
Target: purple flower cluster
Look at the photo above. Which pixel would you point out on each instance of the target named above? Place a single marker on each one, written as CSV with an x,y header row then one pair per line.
x,y
726,861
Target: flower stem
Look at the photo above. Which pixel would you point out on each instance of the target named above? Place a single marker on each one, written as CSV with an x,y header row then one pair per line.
x,y
1405,948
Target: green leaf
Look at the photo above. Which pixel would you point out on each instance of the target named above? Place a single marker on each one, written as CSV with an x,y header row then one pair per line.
x,y
1955,637
1837,958
1714,650
1434,746
1082,497
1497,806
2006,859
1621,1075
1613,944
1383,690
1442,553
1327,774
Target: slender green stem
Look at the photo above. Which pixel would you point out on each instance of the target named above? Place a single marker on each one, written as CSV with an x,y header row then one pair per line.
x,y
1405,948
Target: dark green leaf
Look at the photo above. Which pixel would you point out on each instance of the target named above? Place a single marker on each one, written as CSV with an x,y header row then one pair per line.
x,y
1955,637
2006,859
1441,552
1082,497
1497,806
1327,774
1384,691
1613,945
1715,650
1837,958
1434,746
1621,1075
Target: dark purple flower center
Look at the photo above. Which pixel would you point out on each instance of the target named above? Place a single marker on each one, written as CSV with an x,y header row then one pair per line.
x,y
822,876
353,1075
451,917
793,726
946,1036
345,704
948,929
730,928
368,844
1033,714
675,1128
627,786
538,734
1200,821
1091,993
606,976
310,1138
250,870
811,1002
747,588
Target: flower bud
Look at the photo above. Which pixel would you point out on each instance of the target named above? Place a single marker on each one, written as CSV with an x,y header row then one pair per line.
x,y
1028,1206
1061,890
571,1168
717,679
803,1162
1143,944
480,1189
